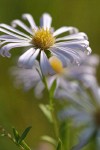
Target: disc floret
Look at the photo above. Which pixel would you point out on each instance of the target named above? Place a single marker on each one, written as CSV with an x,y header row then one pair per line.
x,y
43,39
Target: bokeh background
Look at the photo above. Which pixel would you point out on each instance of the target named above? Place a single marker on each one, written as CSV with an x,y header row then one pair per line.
x,y
17,108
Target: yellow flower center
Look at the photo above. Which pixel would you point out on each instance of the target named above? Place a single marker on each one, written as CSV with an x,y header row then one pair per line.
x,y
56,64
43,39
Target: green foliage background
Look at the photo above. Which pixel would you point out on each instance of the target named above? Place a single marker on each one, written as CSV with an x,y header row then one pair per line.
x,y
20,109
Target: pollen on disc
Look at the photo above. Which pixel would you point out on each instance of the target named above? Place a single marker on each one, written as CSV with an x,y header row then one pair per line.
x,y
43,39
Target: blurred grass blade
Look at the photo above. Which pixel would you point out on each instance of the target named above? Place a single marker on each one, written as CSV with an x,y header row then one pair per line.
x,y
46,111
59,146
49,139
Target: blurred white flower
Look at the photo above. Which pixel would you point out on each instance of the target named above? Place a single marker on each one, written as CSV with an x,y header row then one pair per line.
x,y
83,100
74,76
84,110
85,72
40,41
66,77
28,79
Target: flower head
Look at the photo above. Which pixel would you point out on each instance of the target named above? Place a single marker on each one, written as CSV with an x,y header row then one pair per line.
x,y
43,39
42,42
28,79
85,72
84,110
83,100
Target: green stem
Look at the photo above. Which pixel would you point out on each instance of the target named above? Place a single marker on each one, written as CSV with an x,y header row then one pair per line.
x,y
51,105
25,146
53,118
22,146
68,136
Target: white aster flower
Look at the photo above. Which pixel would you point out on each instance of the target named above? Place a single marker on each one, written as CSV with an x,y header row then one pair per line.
x,y
70,78
85,113
64,76
43,41
84,72
28,79
83,100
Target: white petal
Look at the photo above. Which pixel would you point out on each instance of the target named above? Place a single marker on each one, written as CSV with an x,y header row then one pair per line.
x,y
12,34
45,21
38,91
69,113
63,59
45,65
63,95
30,20
89,50
28,58
84,138
60,56
24,58
1,43
75,45
14,40
10,41
65,29
14,30
70,50
27,77
78,42
71,57
77,36
50,80
7,37
68,56
32,58
4,51
22,25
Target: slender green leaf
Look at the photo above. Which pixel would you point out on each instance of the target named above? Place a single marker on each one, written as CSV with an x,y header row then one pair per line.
x,y
49,139
52,89
16,135
46,111
59,146
24,134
